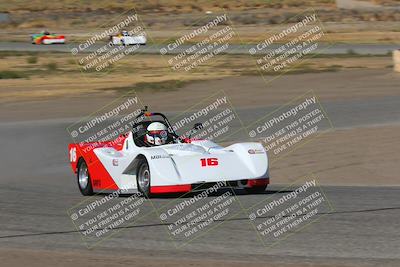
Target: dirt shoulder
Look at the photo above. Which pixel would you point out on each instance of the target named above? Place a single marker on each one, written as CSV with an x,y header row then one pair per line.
x,y
47,76
56,98
349,157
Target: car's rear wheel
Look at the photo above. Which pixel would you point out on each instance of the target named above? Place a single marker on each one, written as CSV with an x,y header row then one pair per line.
x,y
143,177
83,177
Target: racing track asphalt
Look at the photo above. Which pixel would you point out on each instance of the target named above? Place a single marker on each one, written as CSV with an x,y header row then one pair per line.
x,y
37,187
328,49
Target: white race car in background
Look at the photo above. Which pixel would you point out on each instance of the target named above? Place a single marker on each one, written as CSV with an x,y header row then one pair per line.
x,y
124,38
180,165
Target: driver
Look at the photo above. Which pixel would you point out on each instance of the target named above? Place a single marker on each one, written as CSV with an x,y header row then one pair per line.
x,y
156,134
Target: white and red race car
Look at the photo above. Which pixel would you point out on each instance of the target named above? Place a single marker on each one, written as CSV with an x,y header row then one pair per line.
x,y
130,165
124,38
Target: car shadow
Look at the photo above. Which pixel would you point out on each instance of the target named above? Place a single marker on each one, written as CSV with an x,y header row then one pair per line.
x,y
236,192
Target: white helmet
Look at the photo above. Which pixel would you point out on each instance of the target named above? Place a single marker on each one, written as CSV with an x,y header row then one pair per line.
x,y
156,134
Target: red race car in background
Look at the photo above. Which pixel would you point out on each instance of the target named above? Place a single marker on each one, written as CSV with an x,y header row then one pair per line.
x,y
47,38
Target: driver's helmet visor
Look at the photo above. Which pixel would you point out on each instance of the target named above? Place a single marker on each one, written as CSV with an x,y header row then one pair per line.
x,y
158,133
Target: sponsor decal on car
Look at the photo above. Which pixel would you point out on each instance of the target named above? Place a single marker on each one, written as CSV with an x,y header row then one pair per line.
x,y
256,151
160,156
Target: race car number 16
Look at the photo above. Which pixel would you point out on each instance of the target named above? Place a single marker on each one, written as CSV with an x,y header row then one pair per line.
x,y
209,162
72,154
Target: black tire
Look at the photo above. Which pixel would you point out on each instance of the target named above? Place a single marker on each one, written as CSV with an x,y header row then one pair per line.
x,y
143,177
256,189
81,175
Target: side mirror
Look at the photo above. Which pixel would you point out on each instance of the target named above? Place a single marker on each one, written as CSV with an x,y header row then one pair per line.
x,y
198,126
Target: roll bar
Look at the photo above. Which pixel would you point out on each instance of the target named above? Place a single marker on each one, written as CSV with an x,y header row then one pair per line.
x,y
145,113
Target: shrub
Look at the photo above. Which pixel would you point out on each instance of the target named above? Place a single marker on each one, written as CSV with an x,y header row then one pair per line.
x,y
52,66
32,60
8,74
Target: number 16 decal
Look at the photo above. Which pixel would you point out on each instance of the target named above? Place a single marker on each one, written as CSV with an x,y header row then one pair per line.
x,y
209,162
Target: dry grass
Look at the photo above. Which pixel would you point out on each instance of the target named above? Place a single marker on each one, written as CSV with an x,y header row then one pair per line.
x,y
385,2
53,75
172,6
253,19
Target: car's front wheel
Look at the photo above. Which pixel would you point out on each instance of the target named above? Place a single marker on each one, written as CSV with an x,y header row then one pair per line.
x,y
83,177
143,177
